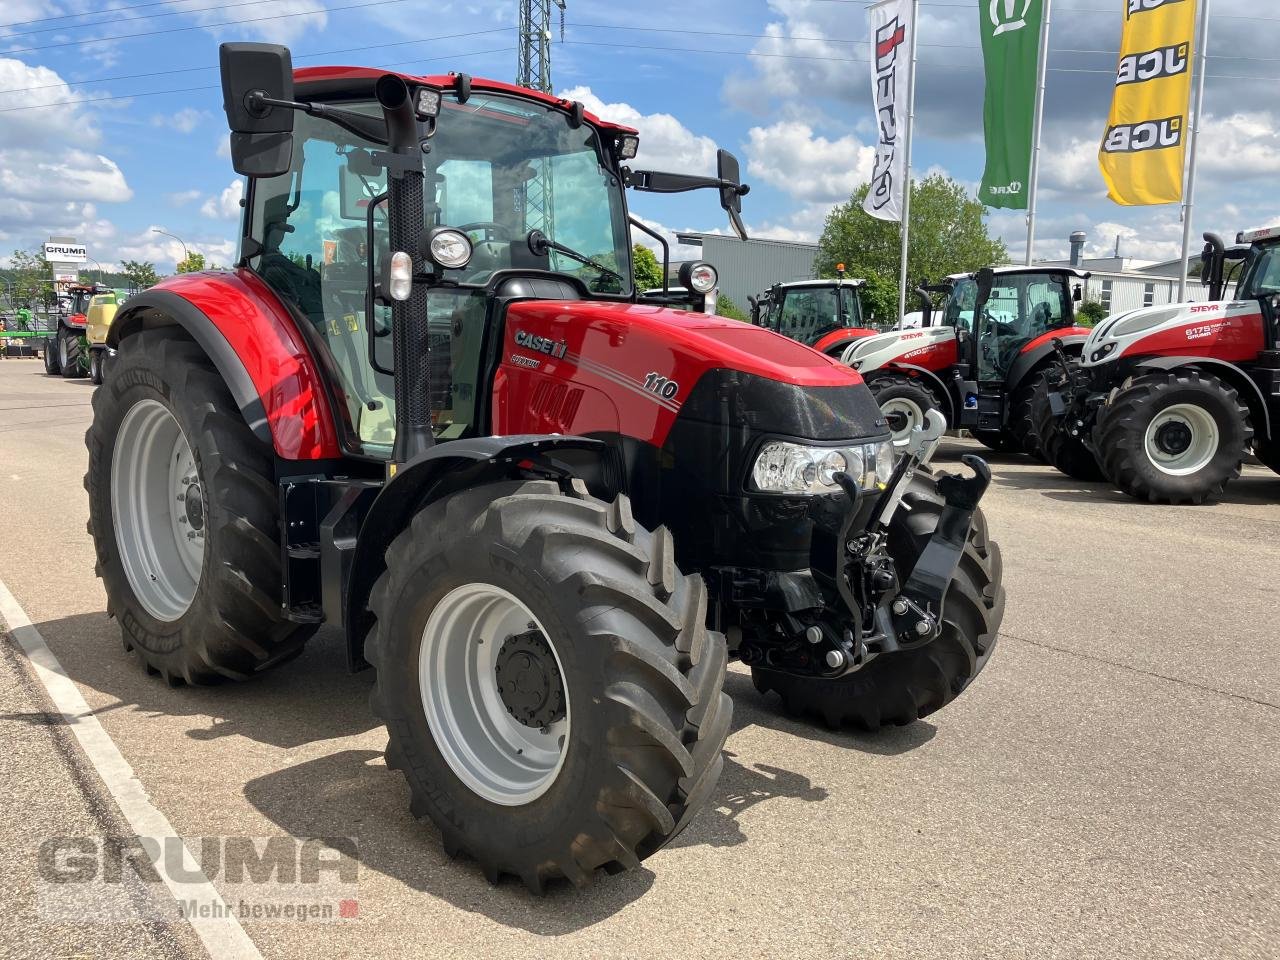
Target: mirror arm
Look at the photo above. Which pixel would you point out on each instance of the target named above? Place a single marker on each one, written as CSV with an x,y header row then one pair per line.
x,y
655,181
357,123
666,252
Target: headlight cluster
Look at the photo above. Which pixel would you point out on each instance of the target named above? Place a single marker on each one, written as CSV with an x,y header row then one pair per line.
x,y
783,467
1102,352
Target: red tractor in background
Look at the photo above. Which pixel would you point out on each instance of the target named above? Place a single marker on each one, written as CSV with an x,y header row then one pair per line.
x,y
980,365
544,513
823,314
1167,401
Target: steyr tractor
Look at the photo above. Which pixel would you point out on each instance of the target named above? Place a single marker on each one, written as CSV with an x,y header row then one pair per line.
x,y
65,348
980,365
1167,401
823,314
543,513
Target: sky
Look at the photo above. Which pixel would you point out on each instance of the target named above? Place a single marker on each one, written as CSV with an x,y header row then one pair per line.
x,y
111,125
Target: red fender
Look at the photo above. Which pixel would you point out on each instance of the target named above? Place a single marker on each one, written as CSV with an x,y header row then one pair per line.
x,y
842,336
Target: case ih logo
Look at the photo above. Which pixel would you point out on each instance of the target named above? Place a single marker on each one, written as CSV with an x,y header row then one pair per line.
x,y
1146,6
889,38
1138,137
555,349
1154,64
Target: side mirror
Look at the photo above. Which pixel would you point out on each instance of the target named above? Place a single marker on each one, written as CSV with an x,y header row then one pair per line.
x,y
732,190
261,135
1077,294
986,279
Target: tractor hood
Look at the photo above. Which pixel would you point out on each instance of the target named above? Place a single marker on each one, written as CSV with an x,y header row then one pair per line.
x,y
1227,331
634,369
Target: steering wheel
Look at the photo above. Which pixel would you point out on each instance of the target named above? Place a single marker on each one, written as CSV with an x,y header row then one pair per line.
x,y
499,231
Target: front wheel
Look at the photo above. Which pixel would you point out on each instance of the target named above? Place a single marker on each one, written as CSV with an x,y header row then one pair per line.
x,y
900,687
71,352
904,401
51,351
550,688
1059,447
1175,437
95,367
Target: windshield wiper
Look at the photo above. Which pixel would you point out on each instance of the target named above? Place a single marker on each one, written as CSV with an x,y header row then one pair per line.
x,y
540,244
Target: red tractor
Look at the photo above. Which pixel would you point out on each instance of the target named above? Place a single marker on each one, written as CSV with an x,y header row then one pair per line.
x,y
823,314
1167,401
544,513
980,365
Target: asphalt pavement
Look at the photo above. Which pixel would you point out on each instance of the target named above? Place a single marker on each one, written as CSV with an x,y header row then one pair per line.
x,y
1107,788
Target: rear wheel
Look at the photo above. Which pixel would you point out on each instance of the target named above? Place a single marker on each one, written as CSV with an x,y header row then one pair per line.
x,y
51,367
71,359
95,367
897,688
904,400
550,689
1059,448
184,517
1176,437
1020,434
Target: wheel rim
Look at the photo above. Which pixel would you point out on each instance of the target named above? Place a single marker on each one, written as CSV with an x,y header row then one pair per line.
x,y
62,352
158,510
481,658
1182,439
908,408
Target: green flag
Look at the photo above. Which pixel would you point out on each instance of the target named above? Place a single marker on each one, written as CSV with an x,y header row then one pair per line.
x,y
1010,51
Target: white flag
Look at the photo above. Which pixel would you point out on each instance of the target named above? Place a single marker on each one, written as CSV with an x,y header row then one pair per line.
x,y
891,25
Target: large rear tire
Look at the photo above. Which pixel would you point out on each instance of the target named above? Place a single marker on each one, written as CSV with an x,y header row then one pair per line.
x,y
903,399
71,359
898,688
183,512
1020,433
1175,437
51,367
550,688
1058,447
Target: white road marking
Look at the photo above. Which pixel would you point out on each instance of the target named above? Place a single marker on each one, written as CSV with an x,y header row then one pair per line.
x,y
213,922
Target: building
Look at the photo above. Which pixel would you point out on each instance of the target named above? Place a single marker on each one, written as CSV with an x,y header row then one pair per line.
x,y
1125,283
749,267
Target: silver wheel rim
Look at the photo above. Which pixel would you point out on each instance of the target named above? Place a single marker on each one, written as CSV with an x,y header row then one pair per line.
x,y
913,413
62,352
158,510
494,754
1199,450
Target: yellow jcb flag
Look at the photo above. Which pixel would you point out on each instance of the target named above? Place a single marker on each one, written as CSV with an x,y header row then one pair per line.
x,y
1145,144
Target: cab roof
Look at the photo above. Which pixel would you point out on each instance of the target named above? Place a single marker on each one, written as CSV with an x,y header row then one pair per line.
x,y
827,282
335,75
1013,271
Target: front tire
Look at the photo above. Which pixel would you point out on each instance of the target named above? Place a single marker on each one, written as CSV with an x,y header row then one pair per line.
x,y
1060,449
51,367
71,359
1176,437
568,633
95,367
901,687
905,401
183,512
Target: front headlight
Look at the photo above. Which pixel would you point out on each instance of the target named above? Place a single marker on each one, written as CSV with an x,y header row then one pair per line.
x,y
796,468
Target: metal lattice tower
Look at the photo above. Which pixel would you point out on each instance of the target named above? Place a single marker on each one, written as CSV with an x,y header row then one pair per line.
x,y
534,70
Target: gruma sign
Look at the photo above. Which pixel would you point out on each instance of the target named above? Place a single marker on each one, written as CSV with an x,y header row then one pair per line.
x,y
66,252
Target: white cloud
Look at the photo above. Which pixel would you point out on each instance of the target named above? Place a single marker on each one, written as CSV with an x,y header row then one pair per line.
x,y
226,205
810,168
279,29
184,197
665,142
184,120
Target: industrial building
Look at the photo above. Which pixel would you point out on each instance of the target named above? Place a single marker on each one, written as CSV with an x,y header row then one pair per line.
x,y
748,267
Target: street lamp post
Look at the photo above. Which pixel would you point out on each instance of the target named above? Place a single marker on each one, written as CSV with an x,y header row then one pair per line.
x,y
98,265
186,254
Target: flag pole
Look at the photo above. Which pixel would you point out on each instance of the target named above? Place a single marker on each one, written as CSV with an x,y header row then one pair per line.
x,y
906,191
1189,194
1038,124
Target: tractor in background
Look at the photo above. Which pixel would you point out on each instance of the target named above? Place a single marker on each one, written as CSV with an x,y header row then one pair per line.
x,y
98,316
980,365
66,348
544,513
1166,402
826,314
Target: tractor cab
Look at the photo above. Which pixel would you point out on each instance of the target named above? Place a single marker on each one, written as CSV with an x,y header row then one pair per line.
x,y
824,314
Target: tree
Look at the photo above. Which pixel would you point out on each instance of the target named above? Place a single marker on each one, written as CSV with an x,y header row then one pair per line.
x,y
648,271
193,264
141,274
1090,312
32,277
948,236
727,308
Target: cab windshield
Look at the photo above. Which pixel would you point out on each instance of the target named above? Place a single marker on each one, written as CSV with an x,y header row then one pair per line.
x,y
809,313
1022,306
1262,275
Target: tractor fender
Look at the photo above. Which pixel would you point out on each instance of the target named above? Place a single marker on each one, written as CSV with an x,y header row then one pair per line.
x,y
1038,352
1249,391
834,343
932,379
256,347
444,469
